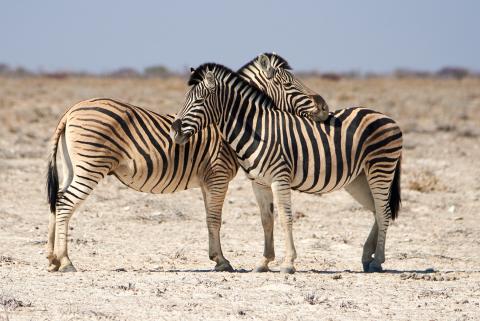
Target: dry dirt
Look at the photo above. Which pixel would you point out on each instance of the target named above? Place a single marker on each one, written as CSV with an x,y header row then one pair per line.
x,y
144,257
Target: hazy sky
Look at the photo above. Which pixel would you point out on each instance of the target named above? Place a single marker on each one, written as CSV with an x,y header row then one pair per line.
x,y
103,35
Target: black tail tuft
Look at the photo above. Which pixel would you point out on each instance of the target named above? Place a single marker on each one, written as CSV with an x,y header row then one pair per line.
x,y
395,198
52,183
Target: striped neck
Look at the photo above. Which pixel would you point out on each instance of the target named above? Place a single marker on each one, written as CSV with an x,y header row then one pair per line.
x,y
243,106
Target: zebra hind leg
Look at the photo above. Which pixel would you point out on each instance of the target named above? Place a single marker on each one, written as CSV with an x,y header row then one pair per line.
x,y
380,181
283,198
359,189
53,265
79,189
264,197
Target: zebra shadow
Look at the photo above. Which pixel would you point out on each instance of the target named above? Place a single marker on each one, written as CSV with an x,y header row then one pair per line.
x,y
311,271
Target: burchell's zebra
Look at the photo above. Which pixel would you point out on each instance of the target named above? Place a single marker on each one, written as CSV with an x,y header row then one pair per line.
x,y
106,137
356,148
271,74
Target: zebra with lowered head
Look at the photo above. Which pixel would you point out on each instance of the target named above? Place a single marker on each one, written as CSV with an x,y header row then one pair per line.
x,y
356,148
100,137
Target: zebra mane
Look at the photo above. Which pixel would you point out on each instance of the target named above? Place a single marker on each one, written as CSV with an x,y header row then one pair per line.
x,y
198,75
275,59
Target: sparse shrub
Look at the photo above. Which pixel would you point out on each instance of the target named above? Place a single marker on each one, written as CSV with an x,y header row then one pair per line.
x,y
4,69
425,182
312,298
159,71
12,303
409,73
125,72
453,72
331,76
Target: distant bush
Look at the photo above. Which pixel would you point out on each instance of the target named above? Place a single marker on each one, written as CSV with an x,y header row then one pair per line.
x,y
453,72
331,76
4,69
409,73
57,75
159,71
125,72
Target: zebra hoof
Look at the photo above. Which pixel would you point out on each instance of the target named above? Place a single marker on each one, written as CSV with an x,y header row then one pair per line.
x,y
53,268
287,269
262,269
366,265
67,268
372,267
224,267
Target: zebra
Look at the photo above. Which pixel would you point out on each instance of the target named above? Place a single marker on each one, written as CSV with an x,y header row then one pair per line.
x,y
103,136
271,74
356,148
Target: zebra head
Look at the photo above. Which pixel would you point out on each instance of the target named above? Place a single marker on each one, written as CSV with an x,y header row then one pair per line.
x,y
271,74
201,104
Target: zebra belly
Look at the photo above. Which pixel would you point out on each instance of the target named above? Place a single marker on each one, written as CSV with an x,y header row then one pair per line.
x,y
133,176
321,188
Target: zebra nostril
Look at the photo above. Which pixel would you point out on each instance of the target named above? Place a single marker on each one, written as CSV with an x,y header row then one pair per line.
x,y
177,125
319,101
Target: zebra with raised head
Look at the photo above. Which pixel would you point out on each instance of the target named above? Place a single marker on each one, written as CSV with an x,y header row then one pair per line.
x,y
356,148
100,137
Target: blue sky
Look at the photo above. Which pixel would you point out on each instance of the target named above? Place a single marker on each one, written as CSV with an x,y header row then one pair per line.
x,y
340,35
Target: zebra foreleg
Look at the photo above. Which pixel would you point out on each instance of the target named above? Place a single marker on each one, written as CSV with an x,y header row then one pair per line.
x,y
214,197
264,197
283,199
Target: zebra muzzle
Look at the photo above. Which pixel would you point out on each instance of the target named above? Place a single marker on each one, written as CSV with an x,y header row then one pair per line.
x,y
323,111
176,133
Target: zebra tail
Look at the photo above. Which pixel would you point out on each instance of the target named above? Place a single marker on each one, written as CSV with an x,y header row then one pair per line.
x,y
395,199
52,173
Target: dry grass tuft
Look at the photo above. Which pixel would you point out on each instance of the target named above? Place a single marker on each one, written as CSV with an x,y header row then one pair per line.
x,y
425,182
13,304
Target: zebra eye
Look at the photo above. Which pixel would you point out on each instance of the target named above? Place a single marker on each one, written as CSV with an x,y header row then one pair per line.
x,y
286,82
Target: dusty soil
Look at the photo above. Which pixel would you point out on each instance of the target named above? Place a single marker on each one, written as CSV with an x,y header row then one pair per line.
x,y
144,257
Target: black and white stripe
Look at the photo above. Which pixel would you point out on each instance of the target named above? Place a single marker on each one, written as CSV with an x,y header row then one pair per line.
x,y
357,148
102,137
272,75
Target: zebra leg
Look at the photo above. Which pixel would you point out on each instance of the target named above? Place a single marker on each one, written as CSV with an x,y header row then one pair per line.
x,y
50,243
283,199
379,185
79,189
264,197
214,197
369,247
360,191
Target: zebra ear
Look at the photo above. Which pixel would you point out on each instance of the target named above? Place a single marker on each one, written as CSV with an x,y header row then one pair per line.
x,y
264,62
210,79
192,70
265,65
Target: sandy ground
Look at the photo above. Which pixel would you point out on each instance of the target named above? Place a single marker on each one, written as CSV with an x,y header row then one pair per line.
x,y
144,257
